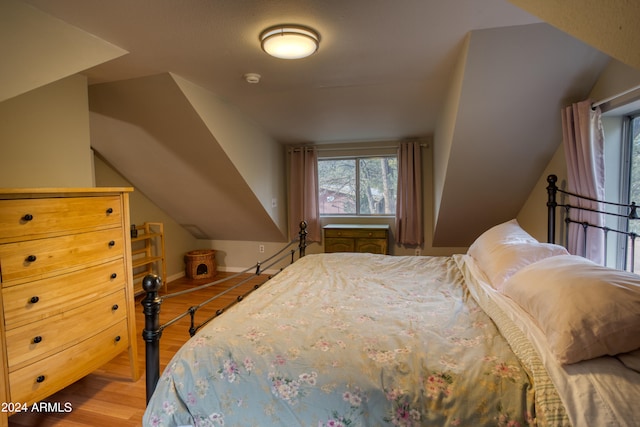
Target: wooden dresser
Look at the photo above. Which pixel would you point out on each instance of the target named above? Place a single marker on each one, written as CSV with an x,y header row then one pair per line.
x,y
373,238
67,302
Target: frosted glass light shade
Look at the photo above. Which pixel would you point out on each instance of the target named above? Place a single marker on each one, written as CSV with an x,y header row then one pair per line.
x,y
289,41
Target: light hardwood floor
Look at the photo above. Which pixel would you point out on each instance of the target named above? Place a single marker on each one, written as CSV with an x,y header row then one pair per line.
x,y
108,397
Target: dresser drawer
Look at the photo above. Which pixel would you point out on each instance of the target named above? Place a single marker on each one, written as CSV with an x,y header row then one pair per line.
x,y
353,233
372,246
22,219
65,263
42,378
40,299
58,255
337,244
31,342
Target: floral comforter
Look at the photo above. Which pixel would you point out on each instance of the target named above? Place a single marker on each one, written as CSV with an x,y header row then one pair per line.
x,y
349,340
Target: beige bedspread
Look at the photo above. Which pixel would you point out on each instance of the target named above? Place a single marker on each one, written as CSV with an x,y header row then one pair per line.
x,y
350,340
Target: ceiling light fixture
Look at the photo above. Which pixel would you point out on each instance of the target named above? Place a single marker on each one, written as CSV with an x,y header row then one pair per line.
x,y
289,41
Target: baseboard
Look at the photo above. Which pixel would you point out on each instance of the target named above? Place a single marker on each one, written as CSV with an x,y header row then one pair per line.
x,y
238,270
175,276
182,274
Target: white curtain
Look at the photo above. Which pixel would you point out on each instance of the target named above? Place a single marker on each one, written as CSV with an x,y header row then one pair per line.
x,y
409,229
303,192
583,140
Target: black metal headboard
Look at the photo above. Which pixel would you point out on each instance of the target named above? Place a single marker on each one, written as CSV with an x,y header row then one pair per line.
x,y
628,211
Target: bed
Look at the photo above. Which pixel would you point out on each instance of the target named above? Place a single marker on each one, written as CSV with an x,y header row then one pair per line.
x,y
497,336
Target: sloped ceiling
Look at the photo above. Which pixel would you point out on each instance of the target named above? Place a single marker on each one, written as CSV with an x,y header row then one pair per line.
x,y
29,39
148,128
609,26
384,71
507,125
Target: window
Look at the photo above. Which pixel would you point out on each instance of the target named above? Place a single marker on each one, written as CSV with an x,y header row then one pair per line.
x,y
622,184
633,138
358,185
634,163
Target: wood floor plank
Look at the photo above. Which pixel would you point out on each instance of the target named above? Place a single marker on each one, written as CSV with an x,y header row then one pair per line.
x,y
107,397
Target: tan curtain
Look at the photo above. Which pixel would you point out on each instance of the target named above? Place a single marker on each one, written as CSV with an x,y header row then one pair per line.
x,y
409,200
583,140
303,192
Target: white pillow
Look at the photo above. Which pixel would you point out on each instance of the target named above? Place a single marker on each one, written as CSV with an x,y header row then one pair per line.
x,y
630,360
507,232
506,260
585,310
506,248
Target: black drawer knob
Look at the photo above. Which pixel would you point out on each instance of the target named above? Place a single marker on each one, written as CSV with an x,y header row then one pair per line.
x,y
114,275
37,339
40,379
27,217
109,211
112,243
117,338
31,258
115,307
34,300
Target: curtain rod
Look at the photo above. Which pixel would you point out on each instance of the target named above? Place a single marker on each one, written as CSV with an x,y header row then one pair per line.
x,y
319,148
616,96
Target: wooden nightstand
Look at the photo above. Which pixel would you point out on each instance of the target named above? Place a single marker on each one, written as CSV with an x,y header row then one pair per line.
x,y
372,238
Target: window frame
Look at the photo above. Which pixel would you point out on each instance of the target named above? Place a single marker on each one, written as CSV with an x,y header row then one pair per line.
x,y
357,159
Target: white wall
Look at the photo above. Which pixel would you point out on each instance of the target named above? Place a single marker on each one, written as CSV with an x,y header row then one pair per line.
x,y
443,138
178,241
45,137
533,215
258,157
46,143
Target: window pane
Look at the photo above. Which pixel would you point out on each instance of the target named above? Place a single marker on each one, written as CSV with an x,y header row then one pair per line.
x,y
337,186
378,183
634,189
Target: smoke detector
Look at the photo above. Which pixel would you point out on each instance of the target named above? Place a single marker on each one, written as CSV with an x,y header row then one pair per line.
x,y
252,78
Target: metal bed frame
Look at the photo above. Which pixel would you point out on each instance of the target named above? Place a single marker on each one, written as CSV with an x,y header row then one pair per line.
x,y
628,211
152,301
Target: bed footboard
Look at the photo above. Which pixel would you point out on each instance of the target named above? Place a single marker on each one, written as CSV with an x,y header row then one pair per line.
x,y
152,302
